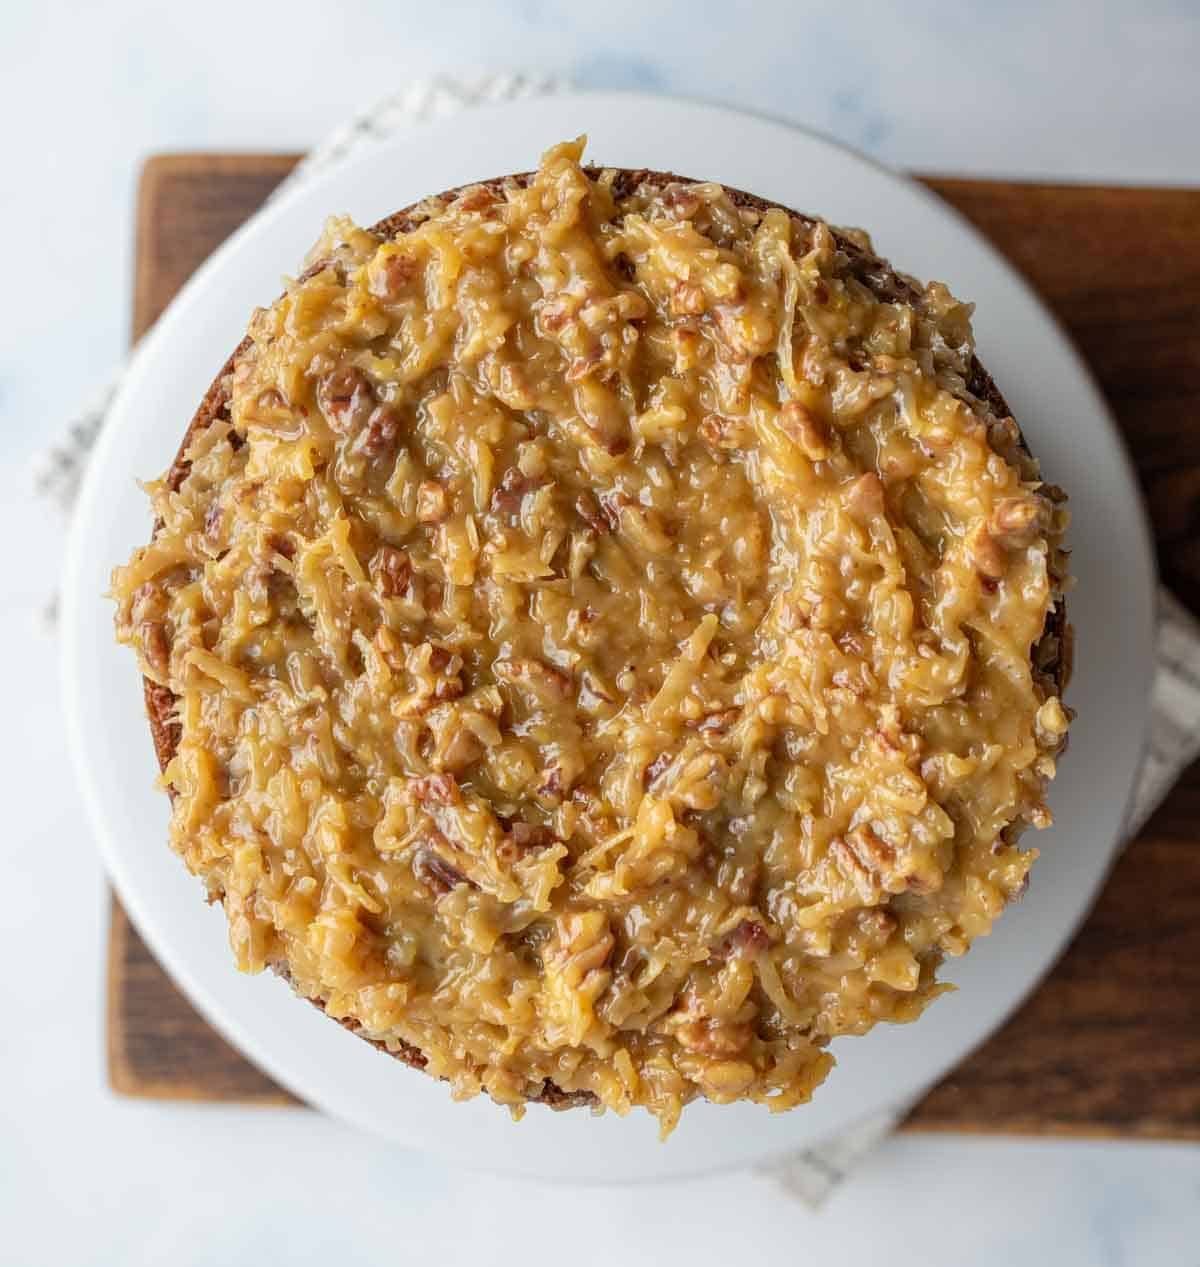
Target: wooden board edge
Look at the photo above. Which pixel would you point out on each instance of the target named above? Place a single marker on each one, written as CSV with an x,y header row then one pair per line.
x,y
156,171
1026,1127
161,167
123,1077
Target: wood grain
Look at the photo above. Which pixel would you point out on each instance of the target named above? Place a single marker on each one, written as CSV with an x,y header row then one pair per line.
x,y
1109,1044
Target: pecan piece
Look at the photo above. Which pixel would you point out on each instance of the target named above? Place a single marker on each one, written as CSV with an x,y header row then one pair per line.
x,y
394,276
805,430
589,511
682,201
719,432
436,789
392,570
711,1037
346,398
530,835
436,874
510,493
1016,521
543,681
477,198
551,787
156,646
522,838
439,658
270,399
277,543
864,857
582,366
432,503
381,434
872,865
687,300
749,938
554,315
719,722
612,504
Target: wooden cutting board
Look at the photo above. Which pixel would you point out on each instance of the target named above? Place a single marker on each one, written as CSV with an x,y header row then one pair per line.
x,y
1109,1044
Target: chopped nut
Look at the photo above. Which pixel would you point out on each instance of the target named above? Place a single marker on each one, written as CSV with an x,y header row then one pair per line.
x,y
392,570
436,873
1016,521
874,866
594,691
551,786
148,603
688,347
512,489
687,300
522,838
721,1039
543,681
346,398
682,201
809,433
611,504
279,544
749,938
724,433
726,1079
1040,817
477,198
156,646
432,504
588,510
554,315
719,722
582,366
379,438
439,658
436,789
398,270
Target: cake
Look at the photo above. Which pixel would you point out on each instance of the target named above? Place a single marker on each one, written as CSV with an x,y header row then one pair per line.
x,y
603,638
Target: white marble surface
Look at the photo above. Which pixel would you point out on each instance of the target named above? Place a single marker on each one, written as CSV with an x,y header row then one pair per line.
x,y
1084,90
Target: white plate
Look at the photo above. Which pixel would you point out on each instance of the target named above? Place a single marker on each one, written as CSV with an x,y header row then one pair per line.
x,y
1068,428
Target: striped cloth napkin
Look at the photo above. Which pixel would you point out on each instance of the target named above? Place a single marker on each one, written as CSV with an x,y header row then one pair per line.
x,y
1174,742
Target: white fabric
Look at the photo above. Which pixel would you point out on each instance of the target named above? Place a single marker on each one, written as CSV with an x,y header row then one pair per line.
x,y
1174,740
